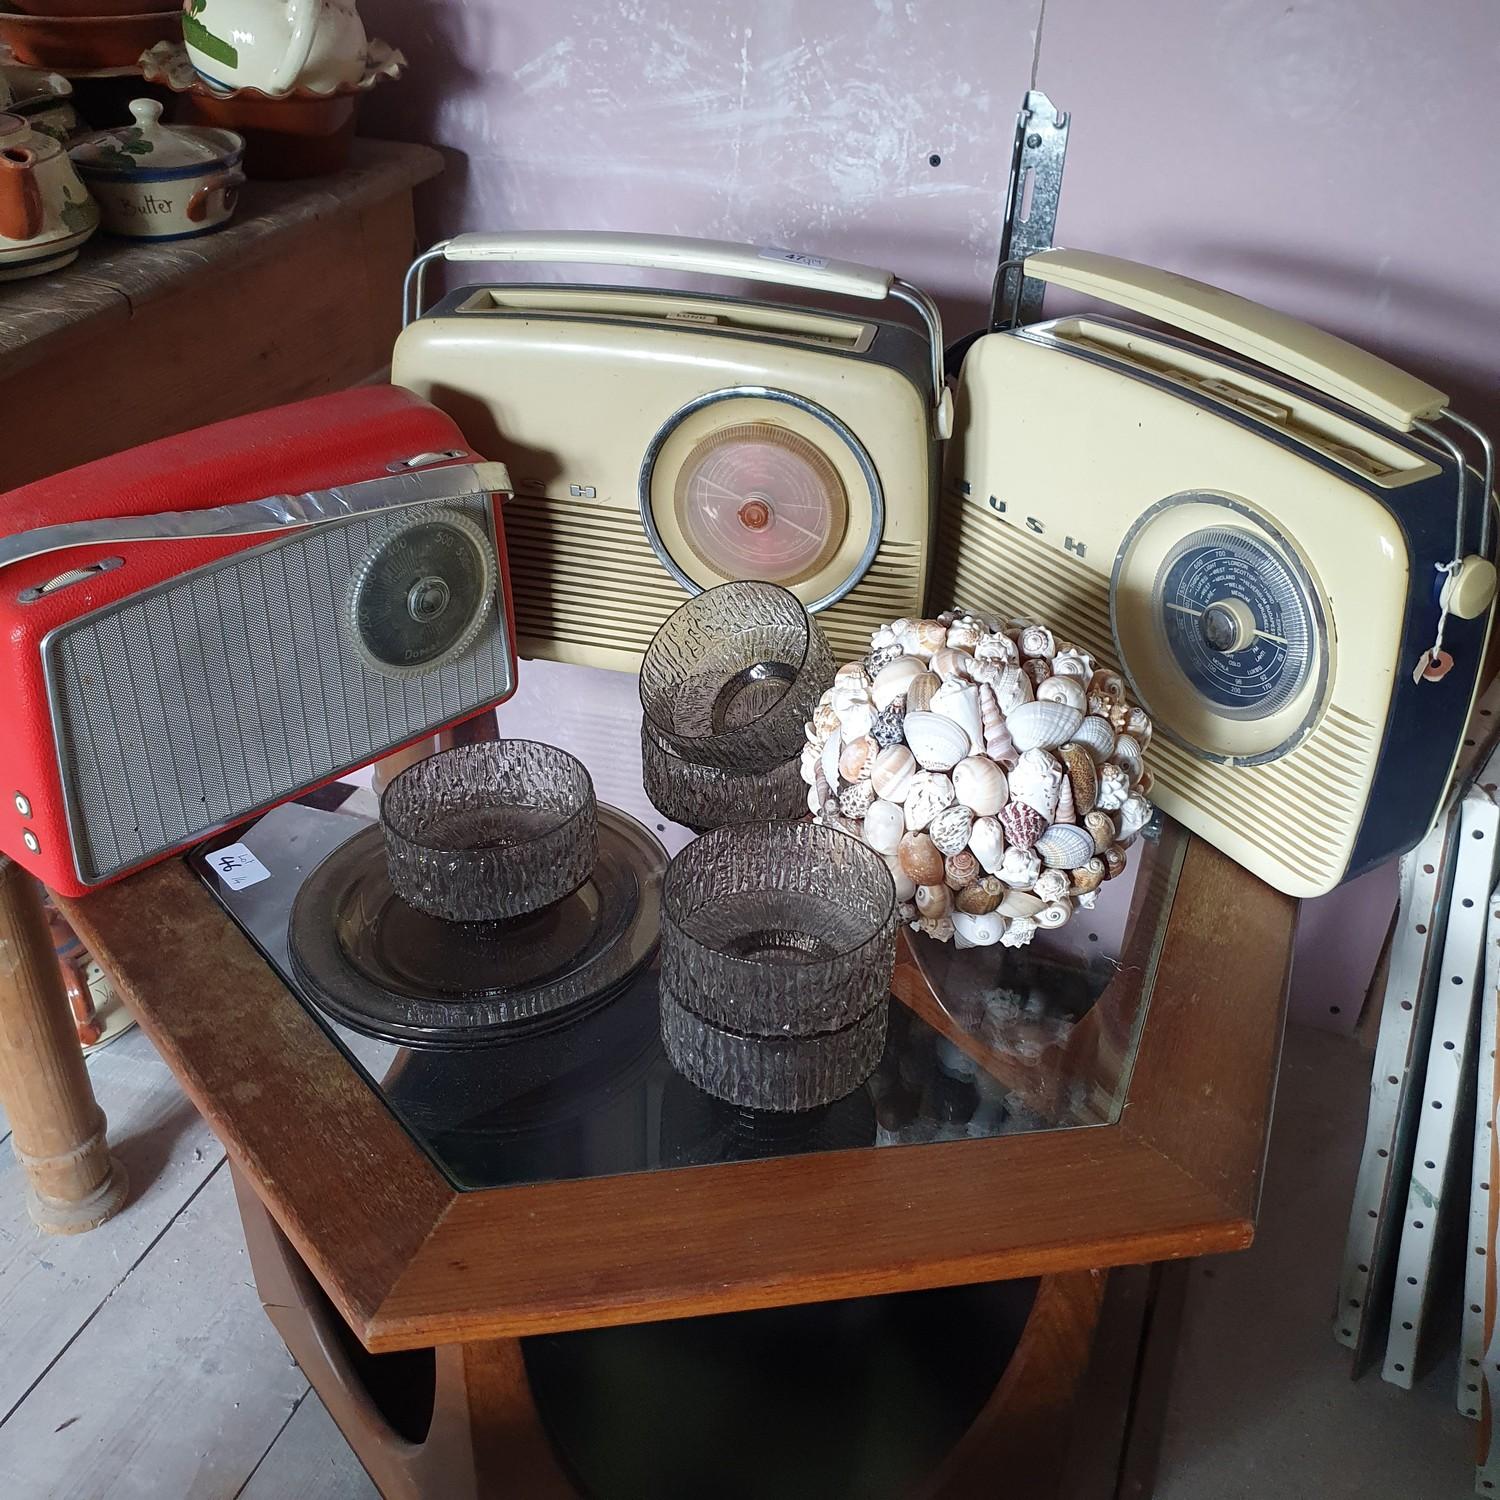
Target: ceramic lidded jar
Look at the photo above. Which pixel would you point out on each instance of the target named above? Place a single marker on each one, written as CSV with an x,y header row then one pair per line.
x,y
275,45
162,182
45,211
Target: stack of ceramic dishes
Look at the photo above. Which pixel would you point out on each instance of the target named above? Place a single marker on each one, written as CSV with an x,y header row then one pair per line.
x,y
727,686
494,894
778,944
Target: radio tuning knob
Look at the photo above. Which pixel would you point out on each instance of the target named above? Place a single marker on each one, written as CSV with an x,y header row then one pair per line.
x,y
1470,589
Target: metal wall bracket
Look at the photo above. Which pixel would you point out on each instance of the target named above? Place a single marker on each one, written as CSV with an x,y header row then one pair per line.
x,y
1036,170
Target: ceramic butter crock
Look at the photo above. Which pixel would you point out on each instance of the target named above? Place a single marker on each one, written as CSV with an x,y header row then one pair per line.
x,y
275,45
162,182
45,211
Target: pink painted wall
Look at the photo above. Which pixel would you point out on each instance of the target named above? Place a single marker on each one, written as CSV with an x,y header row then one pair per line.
x,y
1335,158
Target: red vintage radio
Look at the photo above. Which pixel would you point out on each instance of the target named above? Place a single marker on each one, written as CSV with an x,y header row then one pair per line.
x,y
205,626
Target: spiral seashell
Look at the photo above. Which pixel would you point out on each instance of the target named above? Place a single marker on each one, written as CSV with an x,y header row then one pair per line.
x,y
1104,704
857,757
892,771
919,691
885,728
886,636
936,740
1115,860
1023,825
997,741
1097,736
1078,766
852,674
856,800
1052,885
1135,813
824,721
923,637
1086,900
980,896
961,869
1021,904
1040,726
884,826
1089,875
1065,846
949,829
995,645
833,748
1037,781
1101,827
879,659
1054,914
892,680
1142,788
920,858
1114,787
1107,683
950,663
819,794
977,929
980,785
1067,810
959,701
934,901
927,794
810,755
1019,931
1037,640
987,843
844,695
855,720
964,633
1038,669
907,910
1067,690
1012,688
1129,757
1138,724
1071,661
906,887
940,929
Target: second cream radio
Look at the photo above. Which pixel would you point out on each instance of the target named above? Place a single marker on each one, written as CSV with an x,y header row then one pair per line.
x,y
662,442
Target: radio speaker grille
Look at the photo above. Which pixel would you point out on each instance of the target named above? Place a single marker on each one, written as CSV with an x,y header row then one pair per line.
x,y
587,577
995,566
218,693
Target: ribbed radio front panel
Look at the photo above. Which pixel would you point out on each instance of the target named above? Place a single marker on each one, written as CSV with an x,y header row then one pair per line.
x,y
587,577
216,694
1301,811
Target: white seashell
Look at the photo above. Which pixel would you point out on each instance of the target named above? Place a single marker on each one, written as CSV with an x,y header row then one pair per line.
x,y
923,637
1114,787
995,645
818,793
987,843
1012,688
1054,914
1040,726
1138,724
1038,669
1037,781
857,757
855,721
978,931
1065,846
1037,640
939,928
928,793
1135,813
906,887
1101,826
1052,885
907,910
883,826
811,753
1067,690
959,701
1070,661
1107,683
934,901
919,691
888,635
1020,867
855,801
892,680
852,674
964,633
1021,904
950,663
1086,900
1067,806
1019,932
1097,736
845,695
980,785
1129,756
832,748
998,744
892,771
949,829
824,722
938,742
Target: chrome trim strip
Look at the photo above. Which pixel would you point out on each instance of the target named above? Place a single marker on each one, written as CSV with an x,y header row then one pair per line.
x,y
764,393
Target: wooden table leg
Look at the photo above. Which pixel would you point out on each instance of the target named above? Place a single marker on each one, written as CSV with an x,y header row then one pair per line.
x,y
57,1128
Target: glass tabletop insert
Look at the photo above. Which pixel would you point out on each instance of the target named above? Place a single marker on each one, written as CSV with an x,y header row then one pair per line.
x,y
995,1041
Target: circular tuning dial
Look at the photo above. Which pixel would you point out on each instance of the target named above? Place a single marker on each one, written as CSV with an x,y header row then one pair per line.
x,y
420,596
755,500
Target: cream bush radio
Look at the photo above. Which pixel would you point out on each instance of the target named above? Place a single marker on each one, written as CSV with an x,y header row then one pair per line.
x,y
662,441
1274,535
1263,540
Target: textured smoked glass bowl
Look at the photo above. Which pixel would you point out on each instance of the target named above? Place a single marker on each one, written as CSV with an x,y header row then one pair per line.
x,y
778,929
484,832
704,797
733,675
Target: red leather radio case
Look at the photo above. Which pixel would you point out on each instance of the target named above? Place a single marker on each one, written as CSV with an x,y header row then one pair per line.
x,y
303,591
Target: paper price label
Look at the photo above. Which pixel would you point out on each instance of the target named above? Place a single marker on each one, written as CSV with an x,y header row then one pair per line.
x,y
237,867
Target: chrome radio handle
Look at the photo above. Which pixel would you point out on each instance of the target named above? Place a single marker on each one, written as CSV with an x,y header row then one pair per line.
x,y
661,252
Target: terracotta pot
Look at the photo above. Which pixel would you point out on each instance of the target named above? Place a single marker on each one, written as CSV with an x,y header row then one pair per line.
x,y
77,43
78,7
298,136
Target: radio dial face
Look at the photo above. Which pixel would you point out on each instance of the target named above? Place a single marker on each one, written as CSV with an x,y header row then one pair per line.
x,y
421,595
755,500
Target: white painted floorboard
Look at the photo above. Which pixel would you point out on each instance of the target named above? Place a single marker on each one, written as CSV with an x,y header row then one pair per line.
x,y
311,1461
